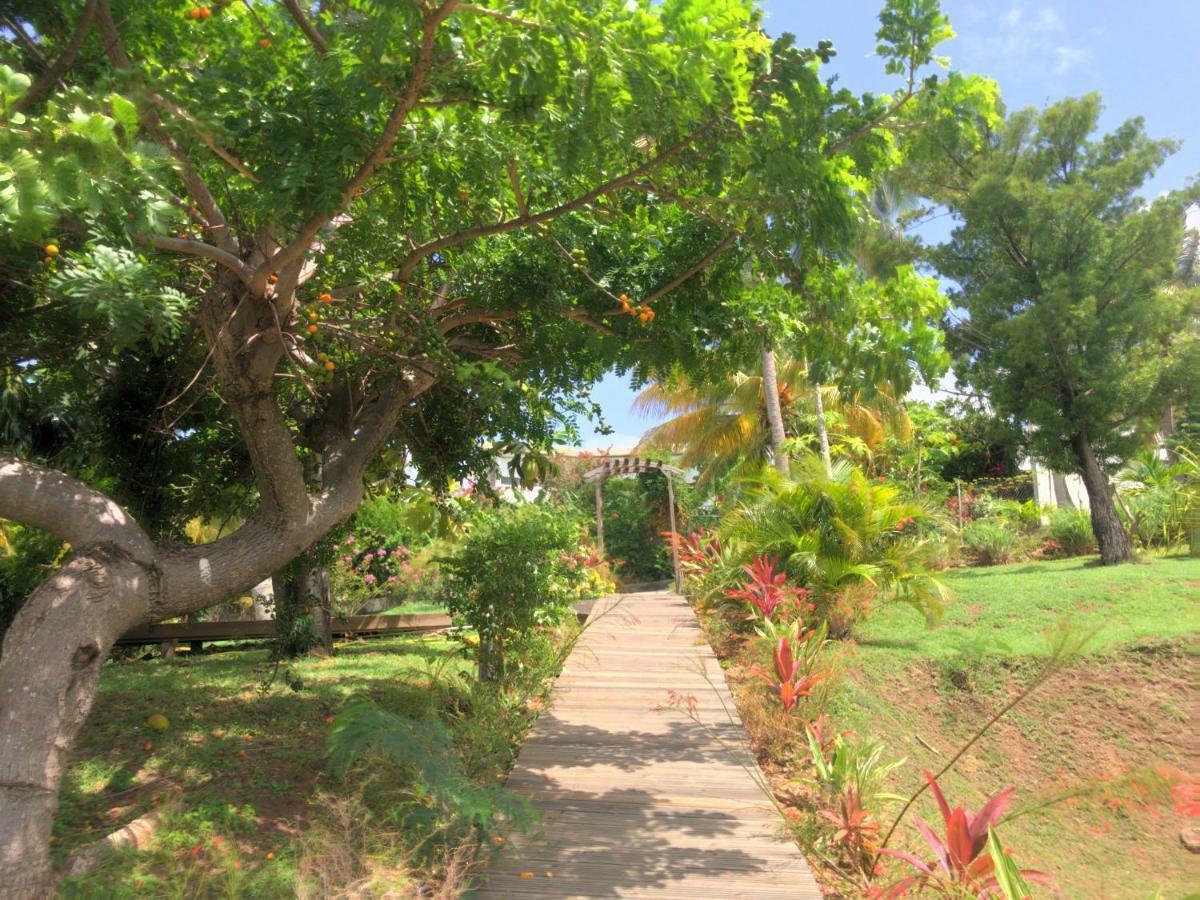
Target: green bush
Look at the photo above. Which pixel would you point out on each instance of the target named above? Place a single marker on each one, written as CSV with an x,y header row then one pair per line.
x,y
517,571
992,542
849,540
1156,496
1071,529
1025,515
635,518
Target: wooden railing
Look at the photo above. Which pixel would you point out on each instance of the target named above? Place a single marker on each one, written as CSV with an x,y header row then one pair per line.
x,y
236,631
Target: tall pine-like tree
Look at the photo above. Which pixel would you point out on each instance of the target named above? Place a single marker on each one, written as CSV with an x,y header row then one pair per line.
x,y
1060,265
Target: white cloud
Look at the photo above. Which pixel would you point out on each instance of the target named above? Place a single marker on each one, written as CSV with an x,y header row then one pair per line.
x,y
1068,58
1047,20
1024,41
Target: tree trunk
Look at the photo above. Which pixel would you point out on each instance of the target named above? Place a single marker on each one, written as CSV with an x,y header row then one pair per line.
x,y
53,653
822,428
1111,536
313,581
56,645
303,592
770,383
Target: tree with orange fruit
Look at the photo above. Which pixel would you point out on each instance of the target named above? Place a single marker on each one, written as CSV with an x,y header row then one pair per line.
x,y
402,223
326,221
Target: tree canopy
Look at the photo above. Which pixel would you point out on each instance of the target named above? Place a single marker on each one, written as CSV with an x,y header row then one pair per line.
x,y
1060,265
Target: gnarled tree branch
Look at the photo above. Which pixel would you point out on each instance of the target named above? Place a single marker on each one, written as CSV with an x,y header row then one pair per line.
x,y
391,131
57,68
200,248
68,508
310,31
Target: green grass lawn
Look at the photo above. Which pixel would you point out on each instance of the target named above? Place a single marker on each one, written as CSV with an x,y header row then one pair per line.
x,y
1003,610
1110,724
413,608
248,764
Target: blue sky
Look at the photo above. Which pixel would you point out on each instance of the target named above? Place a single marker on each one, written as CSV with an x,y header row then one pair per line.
x,y
1142,57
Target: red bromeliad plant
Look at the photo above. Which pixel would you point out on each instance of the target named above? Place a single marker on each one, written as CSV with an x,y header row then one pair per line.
x,y
766,589
960,865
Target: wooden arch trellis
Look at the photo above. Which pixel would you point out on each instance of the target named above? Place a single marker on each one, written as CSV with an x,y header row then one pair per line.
x,y
634,465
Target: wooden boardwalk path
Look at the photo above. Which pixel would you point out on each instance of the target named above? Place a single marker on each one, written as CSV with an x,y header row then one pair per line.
x,y
637,800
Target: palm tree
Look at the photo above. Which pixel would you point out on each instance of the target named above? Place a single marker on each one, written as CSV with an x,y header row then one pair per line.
x,y
846,538
722,426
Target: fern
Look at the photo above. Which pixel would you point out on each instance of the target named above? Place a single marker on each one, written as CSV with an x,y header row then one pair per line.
x,y
115,287
425,749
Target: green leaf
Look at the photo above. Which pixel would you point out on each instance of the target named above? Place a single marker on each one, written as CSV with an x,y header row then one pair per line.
x,y
13,84
125,113
1008,876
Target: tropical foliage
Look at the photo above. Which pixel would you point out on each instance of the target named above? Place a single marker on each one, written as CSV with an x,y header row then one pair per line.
x,y
720,425
960,867
1059,332
849,540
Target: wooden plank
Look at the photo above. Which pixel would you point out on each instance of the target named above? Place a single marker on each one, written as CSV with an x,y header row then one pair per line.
x,y
226,631
637,799
407,623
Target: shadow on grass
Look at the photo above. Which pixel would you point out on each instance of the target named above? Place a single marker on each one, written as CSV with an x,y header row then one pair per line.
x,y
248,761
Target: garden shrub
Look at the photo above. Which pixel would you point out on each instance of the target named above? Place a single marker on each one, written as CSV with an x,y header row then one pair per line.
x,y
422,751
992,542
1156,496
366,567
1071,529
518,570
1025,515
940,551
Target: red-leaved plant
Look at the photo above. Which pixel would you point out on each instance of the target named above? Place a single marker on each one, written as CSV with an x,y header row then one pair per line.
x,y
767,589
824,733
855,829
697,551
791,681
960,864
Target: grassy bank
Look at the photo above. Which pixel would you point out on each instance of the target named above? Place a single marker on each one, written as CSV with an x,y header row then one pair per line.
x,y
1106,729
250,808
1092,753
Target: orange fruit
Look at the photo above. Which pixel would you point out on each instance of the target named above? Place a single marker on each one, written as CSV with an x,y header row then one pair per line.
x,y
49,260
326,297
205,12
264,43
312,314
313,329
51,249
193,13
329,366
271,279
270,855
